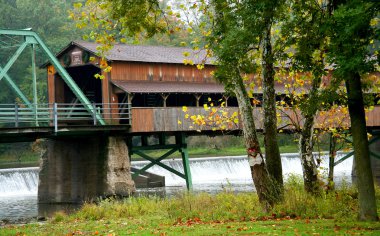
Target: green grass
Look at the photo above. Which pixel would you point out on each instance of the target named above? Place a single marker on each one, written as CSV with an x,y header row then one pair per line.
x,y
225,213
198,227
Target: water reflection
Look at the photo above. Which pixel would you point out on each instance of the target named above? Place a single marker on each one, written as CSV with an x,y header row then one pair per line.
x,y
18,208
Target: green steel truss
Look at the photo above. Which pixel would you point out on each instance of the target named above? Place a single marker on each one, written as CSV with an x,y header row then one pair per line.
x,y
180,146
375,138
32,39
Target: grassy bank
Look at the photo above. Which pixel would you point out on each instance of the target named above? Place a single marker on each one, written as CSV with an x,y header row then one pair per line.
x,y
202,214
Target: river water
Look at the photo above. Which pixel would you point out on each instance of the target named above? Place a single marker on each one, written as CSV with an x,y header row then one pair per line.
x,y
18,187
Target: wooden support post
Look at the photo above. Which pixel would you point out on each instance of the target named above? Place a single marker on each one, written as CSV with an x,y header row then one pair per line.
x,y
181,140
197,97
130,97
226,100
164,96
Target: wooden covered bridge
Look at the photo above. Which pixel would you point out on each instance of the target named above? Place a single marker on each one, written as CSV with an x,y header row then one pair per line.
x,y
141,96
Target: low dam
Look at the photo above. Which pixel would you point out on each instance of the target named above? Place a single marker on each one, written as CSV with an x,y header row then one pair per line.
x,y
18,187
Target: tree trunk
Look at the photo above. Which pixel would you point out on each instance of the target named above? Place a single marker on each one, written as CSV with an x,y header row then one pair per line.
x,y
266,189
272,151
306,143
332,155
365,184
310,172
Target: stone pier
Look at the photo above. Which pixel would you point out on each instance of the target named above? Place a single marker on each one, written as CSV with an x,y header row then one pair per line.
x,y
74,170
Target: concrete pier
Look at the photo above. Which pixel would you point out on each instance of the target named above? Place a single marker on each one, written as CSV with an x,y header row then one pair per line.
x,y
74,170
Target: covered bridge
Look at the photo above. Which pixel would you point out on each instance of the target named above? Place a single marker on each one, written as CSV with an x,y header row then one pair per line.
x,y
153,79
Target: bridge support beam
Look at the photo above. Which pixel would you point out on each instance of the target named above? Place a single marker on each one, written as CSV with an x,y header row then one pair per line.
x,y
75,170
180,146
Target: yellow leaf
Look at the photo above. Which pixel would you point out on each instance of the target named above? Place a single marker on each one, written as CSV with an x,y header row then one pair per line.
x,y
187,116
206,107
184,109
200,66
179,122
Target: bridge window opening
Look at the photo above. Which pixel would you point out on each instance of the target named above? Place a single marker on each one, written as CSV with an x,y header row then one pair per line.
x,y
180,99
84,78
147,100
232,102
216,99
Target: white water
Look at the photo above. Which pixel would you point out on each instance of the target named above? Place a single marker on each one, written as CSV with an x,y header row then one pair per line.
x,y
18,187
18,181
206,173
233,171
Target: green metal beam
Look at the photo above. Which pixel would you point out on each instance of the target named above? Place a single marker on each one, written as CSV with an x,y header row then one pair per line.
x,y
153,163
154,147
32,36
374,139
17,90
13,59
181,140
34,74
344,158
156,162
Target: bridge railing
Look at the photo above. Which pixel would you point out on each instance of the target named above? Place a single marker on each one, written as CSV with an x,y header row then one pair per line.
x,y
63,114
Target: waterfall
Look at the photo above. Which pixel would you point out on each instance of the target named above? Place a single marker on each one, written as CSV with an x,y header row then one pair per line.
x,y
235,170
18,181
206,172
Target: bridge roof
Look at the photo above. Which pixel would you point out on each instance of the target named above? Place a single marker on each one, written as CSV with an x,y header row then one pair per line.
x,y
167,87
143,53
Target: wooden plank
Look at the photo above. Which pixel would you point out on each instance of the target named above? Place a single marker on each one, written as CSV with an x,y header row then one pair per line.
x,y
138,71
142,120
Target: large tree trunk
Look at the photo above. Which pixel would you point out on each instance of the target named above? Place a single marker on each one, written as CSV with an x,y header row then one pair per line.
x,y
272,151
365,184
267,190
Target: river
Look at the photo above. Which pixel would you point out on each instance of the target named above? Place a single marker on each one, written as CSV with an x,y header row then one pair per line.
x,y
18,187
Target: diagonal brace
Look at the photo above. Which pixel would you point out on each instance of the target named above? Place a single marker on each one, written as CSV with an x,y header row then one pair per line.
x,y
344,158
158,162
12,60
17,89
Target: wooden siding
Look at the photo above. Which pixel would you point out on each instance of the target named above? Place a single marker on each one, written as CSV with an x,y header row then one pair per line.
x,y
166,119
134,71
51,84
